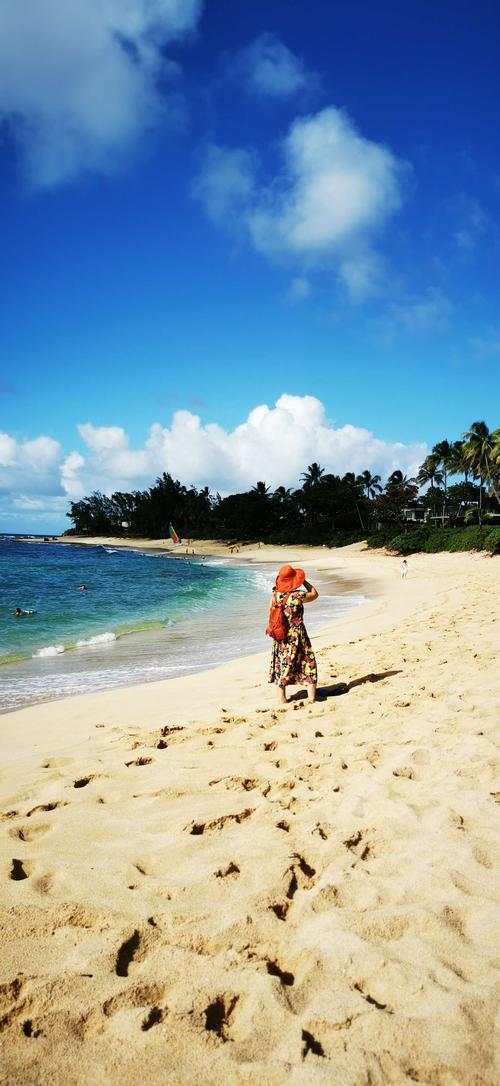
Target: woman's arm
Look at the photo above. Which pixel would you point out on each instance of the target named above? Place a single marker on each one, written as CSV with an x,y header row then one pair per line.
x,y
311,593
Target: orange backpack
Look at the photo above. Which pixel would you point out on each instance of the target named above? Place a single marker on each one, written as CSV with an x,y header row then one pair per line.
x,y
278,623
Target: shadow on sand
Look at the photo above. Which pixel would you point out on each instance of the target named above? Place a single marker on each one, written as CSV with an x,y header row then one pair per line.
x,y
336,689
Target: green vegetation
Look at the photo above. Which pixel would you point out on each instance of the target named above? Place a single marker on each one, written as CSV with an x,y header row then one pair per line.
x,y
326,509
431,540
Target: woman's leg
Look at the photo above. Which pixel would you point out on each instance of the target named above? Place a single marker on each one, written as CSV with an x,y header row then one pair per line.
x,y
311,692
282,690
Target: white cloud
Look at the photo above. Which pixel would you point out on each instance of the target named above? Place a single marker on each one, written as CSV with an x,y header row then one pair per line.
x,y
431,312
110,453
486,346
300,288
29,464
268,68
473,222
324,209
78,79
272,443
225,184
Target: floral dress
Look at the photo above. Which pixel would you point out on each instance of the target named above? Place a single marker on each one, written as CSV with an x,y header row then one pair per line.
x,y
293,660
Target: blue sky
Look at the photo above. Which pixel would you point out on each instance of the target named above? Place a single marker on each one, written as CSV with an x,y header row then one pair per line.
x,y
240,237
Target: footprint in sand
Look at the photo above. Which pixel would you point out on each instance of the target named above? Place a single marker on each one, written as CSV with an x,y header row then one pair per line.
x,y
232,870
140,761
82,782
139,995
198,828
311,1044
219,1015
135,949
45,807
285,977
357,844
20,870
29,833
300,876
238,784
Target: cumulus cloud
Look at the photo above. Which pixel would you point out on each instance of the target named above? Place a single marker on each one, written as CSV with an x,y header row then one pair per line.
x,y
268,68
79,78
273,443
324,209
30,464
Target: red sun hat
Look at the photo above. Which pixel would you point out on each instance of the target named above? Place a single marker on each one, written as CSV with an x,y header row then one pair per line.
x,y
289,578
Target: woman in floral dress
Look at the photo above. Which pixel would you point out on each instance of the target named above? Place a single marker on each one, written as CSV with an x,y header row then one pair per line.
x,y
293,660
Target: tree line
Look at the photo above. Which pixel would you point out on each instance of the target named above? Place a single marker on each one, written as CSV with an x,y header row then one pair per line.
x,y
324,507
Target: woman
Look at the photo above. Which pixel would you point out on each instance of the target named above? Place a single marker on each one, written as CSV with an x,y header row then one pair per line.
x,y
293,660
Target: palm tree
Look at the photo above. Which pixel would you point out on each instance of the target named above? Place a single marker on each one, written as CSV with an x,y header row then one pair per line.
x,y
352,485
495,446
479,444
495,461
370,483
458,465
429,473
261,488
396,478
442,454
313,475
282,494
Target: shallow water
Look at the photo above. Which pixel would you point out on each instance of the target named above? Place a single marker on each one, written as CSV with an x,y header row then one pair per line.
x,y
144,616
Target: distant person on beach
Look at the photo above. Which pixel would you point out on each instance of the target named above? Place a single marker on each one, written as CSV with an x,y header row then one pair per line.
x,y
404,569
293,660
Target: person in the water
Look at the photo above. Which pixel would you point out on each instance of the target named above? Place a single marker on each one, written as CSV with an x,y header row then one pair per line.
x,y
19,613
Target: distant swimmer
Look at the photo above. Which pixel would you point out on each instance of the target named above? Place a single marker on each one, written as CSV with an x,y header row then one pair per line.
x,y
20,613
82,587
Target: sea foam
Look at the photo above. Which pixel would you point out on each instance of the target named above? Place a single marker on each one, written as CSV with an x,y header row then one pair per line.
x,y
50,650
99,639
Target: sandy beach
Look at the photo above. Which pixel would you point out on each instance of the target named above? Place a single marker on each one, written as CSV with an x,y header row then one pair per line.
x,y
201,887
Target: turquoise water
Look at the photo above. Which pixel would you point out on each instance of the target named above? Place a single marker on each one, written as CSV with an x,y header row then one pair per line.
x,y
143,616
126,591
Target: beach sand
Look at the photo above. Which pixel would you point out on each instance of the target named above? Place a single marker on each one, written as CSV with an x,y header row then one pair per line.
x,y
201,887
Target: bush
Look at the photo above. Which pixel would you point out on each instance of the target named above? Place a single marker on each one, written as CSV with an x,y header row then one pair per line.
x,y
467,539
383,536
438,539
409,542
492,541
344,539
434,540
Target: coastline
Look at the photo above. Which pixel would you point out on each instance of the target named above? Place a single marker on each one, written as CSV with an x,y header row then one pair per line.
x,y
118,655
266,895
322,559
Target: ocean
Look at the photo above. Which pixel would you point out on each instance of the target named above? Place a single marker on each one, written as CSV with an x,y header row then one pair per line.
x,y
143,616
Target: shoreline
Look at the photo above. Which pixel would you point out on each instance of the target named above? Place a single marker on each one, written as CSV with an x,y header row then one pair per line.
x,y
203,877
332,578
